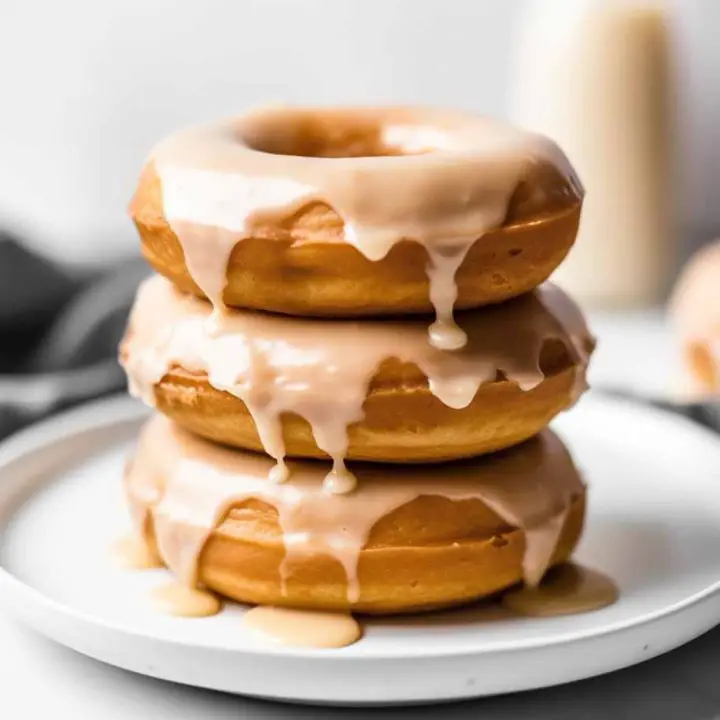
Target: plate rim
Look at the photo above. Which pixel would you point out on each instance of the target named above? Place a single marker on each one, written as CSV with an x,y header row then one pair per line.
x,y
117,409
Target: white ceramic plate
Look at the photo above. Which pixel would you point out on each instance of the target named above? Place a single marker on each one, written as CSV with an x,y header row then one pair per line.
x,y
654,525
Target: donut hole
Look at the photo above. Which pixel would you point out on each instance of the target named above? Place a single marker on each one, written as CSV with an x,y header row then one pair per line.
x,y
340,135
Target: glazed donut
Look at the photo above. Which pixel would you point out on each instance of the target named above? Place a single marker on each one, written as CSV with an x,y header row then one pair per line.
x,y
357,211
407,539
366,390
695,308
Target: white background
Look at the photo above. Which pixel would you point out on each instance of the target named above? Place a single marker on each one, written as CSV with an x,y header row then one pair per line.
x,y
88,86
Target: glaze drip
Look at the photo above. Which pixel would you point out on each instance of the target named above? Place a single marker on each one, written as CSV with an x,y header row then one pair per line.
x,y
133,553
197,483
441,179
303,628
184,601
565,590
322,369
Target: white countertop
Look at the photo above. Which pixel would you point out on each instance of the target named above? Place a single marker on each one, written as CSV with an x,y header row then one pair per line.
x,y
43,679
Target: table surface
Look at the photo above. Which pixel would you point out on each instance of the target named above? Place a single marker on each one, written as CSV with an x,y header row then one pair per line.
x,y
41,678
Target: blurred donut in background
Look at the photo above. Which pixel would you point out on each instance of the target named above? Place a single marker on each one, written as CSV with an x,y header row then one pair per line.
x,y
695,313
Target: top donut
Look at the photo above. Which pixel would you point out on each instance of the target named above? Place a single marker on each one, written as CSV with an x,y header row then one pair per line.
x,y
357,211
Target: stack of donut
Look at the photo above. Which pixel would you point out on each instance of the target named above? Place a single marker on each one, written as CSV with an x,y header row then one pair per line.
x,y
354,355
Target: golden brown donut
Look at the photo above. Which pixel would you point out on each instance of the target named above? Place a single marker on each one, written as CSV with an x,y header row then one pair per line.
x,y
695,310
369,378
438,546
297,260
322,276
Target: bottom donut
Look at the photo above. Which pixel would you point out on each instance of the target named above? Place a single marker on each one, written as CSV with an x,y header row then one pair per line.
x,y
408,539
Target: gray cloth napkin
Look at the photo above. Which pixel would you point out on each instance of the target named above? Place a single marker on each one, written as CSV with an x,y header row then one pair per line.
x,y
58,333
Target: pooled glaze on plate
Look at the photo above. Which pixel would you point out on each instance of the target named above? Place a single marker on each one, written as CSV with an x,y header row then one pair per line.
x,y
565,590
131,552
181,600
303,628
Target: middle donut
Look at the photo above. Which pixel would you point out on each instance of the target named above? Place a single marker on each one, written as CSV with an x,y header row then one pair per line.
x,y
361,389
